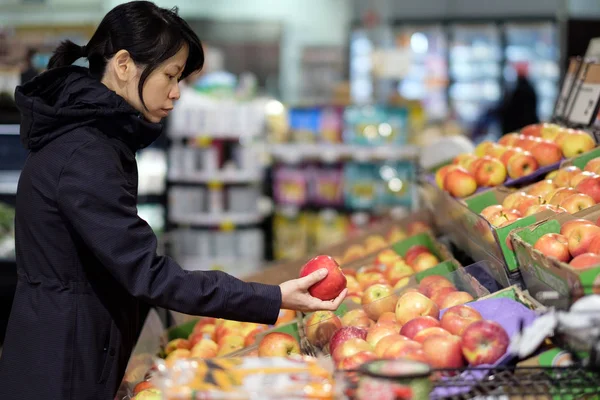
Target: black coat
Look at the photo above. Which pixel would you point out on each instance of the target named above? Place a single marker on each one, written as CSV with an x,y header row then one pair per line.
x,y
87,264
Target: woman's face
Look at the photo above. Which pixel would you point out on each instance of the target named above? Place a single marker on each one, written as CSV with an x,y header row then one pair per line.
x,y
161,88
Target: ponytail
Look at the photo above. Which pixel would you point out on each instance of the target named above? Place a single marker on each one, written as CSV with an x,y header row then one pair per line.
x,y
66,54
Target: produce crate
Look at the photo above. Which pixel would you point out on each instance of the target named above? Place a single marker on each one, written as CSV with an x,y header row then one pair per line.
x,y
286,270
551,282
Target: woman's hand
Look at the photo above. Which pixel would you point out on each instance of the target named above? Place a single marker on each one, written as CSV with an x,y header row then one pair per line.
x,y
295,296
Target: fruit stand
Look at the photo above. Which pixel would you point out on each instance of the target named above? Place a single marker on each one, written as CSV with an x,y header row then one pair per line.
x,y
491,289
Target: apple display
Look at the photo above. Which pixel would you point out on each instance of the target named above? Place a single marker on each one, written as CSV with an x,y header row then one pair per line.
x,y
353,285
577,179
507,155
388,341
568,226
377,299
417,355
491,210
591,187
387,318
349,348
534,130
503,217
549,131
542,188
413,252
229,344
456,299
205,348
354,252
527,202
353,315
456,319
415,325
484,342
320,327
433,282
424,261
278,344
438,296
564,175
580,237
577,143
416,227
510,139
332,285
423,335
512,201
444,351
367,279
546,153
543,207
345,333
483,148
460,183
554,245
593,165
177,344
397,234
386,258
356,360
252,336
521,164
556,197
398,349
398,271
594,246
585,260
413,304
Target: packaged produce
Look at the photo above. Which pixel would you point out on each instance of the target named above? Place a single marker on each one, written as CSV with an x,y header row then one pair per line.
x,y
290,185
291,235
246,378
360,186
329,227
375,125
326,186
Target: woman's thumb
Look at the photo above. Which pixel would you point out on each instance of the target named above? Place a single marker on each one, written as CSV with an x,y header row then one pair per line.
x,y
313,278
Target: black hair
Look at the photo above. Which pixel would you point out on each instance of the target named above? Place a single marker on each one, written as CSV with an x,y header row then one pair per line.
x,y
149,33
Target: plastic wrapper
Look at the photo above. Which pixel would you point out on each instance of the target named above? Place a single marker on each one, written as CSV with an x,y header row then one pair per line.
x,y
247,378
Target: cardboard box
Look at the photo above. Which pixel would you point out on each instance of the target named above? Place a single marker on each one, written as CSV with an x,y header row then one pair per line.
x,y
543,275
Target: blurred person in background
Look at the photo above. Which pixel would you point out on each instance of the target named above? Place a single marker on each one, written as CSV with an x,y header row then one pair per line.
x,y
519,107
29,72
87,266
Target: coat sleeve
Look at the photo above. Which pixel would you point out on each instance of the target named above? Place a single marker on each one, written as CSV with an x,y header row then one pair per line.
x,y
93,197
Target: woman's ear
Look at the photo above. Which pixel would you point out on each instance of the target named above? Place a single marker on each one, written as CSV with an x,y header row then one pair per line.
x,y
124,67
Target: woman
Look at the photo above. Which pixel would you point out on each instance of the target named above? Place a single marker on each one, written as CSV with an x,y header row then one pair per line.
x,y
87,264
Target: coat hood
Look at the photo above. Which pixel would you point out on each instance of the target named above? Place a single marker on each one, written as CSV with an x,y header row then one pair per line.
x,y
63,99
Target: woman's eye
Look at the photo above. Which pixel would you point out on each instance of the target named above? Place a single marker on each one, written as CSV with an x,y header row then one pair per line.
x,y
171,76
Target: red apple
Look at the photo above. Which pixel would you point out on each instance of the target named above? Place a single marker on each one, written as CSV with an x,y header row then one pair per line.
x,y
559,195
554,245
438,296
456,299
568,226
546,153
444,351
387,318
413,304
386,258
585,260
278,344
594,246
577,179
377,299
353,315
532,130
416,227
379,331
528,201
464,160
398,271
417,355
415,325
399,348
542,188
424,261
513,200
320,327
413,252
440,174
484,342
389,341
564,175
491,210
543,207
423,335
510,139
591,187
333,284
490,172
505,216
593,165
521,164
460,183
483,148
349,348
345,333
577,202
356,360
432,283
580,238
456,319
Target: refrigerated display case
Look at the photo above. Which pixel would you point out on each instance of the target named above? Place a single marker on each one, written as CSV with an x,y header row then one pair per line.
x,y
537,45
475,66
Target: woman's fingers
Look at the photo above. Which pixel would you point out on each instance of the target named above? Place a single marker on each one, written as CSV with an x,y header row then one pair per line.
x,y
311,279
331,305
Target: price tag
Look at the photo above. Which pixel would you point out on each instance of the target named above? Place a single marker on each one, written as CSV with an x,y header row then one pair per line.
x,y
585,105
227,226
575,90
202,141
561,104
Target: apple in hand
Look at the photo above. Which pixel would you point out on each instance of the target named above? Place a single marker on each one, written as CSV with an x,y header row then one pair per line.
x,y
444,351
456,319
345,333
581,237
484,342
456,299
460,183
577,202
320,327
415,325
377,299
585,260
554,245
413,304
521,164
490,172
591,187
332,285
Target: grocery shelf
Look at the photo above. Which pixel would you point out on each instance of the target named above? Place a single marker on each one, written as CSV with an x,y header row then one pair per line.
x,y
297,152
216,219
236,266
217,177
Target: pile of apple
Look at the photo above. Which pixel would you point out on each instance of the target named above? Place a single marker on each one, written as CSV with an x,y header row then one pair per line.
x,y
515,155
409,327
577,244
389,270
569,190
374,242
